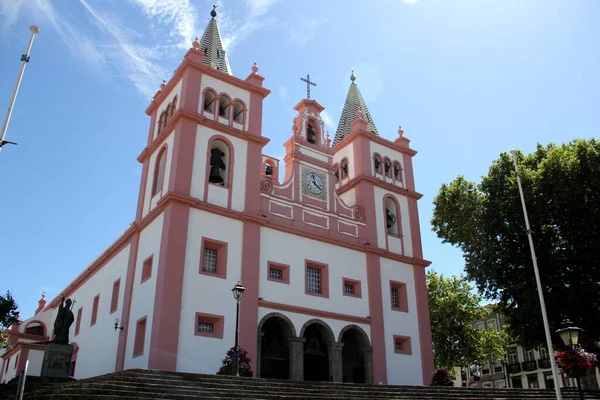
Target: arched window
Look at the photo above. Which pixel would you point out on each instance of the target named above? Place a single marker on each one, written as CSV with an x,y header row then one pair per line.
x,y
388,168
219,163
336,173
209,101
344,168
166,116
34,328
392,217
377,163
397,172
224,106
238,112
159,171
160,124
174,105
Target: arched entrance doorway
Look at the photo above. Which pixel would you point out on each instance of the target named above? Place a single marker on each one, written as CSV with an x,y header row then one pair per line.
x,y
317,340
274,332
356,355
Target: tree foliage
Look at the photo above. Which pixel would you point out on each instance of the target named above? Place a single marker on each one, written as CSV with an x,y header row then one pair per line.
x,y
452,308
561,186
8,316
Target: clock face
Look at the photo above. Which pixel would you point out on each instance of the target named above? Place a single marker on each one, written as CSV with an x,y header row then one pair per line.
x,y
314,183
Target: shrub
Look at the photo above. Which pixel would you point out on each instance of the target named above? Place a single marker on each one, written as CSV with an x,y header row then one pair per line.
x,y
227,367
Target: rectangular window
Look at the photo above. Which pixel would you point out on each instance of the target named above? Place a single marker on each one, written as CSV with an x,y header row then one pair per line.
x,y
314,280
543,353
114,299
275,273
351,287
209,325
147,269
402,345
278,272
140,337
529,356
398,296
317,279
78,322
210,261
213,258
532,381
95,310
513,357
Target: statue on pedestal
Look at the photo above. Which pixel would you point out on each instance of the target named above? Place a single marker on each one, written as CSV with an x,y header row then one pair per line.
x,y
62,323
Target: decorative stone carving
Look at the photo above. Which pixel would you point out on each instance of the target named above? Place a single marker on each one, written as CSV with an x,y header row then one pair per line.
x,y
358,213
266,185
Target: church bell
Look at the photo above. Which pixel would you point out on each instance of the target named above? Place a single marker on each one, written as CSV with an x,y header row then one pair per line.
x,y
215,176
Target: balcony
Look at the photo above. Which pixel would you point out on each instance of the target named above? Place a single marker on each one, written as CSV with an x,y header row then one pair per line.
x,y
544,363
514,368
497,369
529,365
485,371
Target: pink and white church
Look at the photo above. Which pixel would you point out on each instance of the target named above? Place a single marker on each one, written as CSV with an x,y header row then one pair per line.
x,y
330,255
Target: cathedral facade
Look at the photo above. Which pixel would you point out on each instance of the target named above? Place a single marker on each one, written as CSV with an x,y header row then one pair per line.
x,y
330,255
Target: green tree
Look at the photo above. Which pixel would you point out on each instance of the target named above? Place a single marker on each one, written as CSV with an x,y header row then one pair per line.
x,y
453,306
561,186
8,315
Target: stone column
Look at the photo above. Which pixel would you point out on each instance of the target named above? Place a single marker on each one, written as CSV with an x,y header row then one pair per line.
x,y
335,361
296,354
367,356
258,353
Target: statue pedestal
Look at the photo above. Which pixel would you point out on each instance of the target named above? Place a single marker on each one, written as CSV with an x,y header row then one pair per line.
x,y
57,360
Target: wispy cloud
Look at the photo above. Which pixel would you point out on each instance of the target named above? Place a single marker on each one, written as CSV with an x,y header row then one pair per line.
x,y
410,1
235,28
304,31
283,91
327,119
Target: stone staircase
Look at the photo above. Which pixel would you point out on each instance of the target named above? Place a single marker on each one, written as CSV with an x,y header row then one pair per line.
x,y
149,384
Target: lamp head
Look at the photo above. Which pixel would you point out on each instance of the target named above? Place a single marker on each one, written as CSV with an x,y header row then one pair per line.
x,y
238,291
569,333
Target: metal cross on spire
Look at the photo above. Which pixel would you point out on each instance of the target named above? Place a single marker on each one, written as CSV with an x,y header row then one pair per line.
x,y
308,84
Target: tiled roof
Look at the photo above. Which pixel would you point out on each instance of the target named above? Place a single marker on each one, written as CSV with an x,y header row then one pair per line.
x,y
212,46
354,101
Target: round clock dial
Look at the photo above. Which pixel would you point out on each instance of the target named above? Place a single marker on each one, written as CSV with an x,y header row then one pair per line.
x,y
314,183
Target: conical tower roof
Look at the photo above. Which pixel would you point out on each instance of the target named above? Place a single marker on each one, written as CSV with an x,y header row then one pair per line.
x,y
354,101
211,45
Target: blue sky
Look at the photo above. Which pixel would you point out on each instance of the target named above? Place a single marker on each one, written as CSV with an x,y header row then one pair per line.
x,y
467,79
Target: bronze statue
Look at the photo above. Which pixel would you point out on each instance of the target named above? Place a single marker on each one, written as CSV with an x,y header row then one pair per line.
x,y
62,323
310,134
216,163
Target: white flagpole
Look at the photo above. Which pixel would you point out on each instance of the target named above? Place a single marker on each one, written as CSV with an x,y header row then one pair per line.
x,y
539,284
24,60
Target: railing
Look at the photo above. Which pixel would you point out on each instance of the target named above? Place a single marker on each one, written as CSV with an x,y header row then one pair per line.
x,y
544,363
498,369
529,365
485,371
514,368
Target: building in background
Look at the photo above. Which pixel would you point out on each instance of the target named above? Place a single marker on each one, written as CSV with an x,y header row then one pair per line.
x,y
330,256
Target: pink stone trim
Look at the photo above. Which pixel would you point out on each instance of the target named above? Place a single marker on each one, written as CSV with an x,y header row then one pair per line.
x,y
221,249
357,287
147,269
314,312
404,341
324,268
95,306
285,272
217,321
214,104
140,337
114,298
402,296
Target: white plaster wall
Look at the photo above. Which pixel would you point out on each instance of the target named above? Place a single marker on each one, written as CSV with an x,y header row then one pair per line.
x,y
381,224
292,250
47,317
142,301
200,173
346,151
11,372
314,154
402,369
149,201
298,320
387,152
208,294
98,343
36,359
349,197
175,92
222,87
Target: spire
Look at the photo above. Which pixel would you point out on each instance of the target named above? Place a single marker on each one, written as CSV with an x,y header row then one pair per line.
x,y
211,45
354,102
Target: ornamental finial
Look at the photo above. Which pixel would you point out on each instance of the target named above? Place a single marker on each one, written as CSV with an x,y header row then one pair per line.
x,y
255,68
359,113
163,84
352,76
400,131
213,13
196,43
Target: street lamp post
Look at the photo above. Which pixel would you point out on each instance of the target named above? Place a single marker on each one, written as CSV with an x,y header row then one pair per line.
x,y
538,281
569,333
238,292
